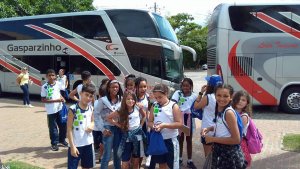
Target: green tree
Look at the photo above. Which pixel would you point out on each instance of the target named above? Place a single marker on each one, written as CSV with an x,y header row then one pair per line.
x,y
190,34
11,8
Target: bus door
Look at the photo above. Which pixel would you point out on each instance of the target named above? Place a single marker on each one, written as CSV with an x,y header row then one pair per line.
x,y
61,62
264,82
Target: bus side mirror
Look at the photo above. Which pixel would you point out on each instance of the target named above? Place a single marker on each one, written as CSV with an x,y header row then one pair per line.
x,y
189,49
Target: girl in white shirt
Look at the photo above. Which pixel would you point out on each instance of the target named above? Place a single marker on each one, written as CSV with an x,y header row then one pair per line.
x,y
227,151
165,117
242,105
185,99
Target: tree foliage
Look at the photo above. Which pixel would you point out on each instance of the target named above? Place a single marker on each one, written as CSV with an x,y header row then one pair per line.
x,y
11,8
190,34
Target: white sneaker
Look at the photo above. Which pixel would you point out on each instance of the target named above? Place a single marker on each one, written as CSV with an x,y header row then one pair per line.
x,y
148,160
25,105
29,105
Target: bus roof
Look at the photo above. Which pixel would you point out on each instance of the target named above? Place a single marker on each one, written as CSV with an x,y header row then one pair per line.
x,y
95,12
258,4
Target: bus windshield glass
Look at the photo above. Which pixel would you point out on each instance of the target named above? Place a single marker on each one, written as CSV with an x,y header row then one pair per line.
x,y
165,29
174,67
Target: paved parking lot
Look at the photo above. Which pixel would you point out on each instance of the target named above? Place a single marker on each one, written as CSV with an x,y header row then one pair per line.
x,y
24,136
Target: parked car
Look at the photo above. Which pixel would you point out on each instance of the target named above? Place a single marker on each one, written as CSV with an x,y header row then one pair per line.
x,y
204,67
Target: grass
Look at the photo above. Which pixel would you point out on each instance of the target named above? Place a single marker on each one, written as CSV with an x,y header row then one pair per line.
x,y
20,165
291,142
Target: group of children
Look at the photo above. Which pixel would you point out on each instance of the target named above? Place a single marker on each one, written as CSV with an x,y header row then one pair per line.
x,y
118,123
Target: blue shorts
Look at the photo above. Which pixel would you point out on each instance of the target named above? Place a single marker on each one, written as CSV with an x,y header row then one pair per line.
x,y
171,157
86,155
128,152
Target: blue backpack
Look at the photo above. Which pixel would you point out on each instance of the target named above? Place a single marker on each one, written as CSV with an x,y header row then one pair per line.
x,y
63,114
156,144
239,121
196,113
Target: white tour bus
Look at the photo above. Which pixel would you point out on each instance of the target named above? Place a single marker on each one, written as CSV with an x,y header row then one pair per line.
x,y
256,48
108,43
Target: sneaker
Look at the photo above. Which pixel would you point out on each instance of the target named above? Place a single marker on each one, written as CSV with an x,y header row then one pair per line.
x,y
180,161
25,105
148,160
64,144
54,148
191,165
29,105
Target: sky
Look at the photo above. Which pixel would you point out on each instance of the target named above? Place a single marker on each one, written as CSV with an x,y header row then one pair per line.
x,y
199,9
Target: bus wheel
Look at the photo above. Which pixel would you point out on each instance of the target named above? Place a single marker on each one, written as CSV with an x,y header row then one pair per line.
x,y
290,100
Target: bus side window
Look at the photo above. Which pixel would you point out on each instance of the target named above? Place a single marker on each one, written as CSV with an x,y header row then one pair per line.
x,y
91,27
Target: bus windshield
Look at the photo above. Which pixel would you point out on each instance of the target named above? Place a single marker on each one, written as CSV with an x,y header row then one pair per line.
x,y
165,29
174,67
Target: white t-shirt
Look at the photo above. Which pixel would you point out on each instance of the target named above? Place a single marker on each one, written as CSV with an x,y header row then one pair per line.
x,y
184,102
52,92
165,115
97,118
134,119
145,102
79,89
209,112
221,129
62,80
82,119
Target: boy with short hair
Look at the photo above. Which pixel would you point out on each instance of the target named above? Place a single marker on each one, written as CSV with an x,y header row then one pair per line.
x,y
50,93
79,130
86,79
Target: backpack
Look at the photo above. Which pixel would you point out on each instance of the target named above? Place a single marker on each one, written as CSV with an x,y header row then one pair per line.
x,y
239,121
196,113
63,114
156,145
254,138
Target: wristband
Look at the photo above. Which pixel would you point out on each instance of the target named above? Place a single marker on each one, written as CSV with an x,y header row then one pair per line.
x,y
200,93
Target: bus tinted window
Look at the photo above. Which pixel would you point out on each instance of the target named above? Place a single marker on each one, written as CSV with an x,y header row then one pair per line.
x,y
41,63
243,18
165,29
79,64
213,21
91,27
132,23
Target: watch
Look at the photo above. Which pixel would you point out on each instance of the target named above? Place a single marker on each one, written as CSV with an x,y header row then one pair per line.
x,y
200,93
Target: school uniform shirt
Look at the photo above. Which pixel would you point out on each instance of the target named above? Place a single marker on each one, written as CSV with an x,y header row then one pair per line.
x,y
165,115
145,102
220,129
184,102
97,118
134,119
82,119
62,80
209,112
52,92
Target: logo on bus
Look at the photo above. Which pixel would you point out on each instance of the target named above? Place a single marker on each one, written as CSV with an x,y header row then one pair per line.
x,y
112,47
33,48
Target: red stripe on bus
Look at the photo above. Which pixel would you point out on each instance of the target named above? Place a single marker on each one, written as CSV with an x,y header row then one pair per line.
x,y
265,98
17,71
83,52
279,25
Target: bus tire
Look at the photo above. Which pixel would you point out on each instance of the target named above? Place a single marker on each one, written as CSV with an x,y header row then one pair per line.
x,y
290,100
78,82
